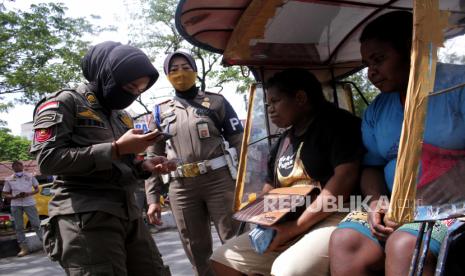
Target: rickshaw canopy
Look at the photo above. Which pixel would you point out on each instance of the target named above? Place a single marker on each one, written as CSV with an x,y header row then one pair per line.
x,y
270,35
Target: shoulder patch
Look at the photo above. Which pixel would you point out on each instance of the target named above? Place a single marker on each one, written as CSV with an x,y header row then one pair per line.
x,y
47,118
127,120
42,135
47,106
43,104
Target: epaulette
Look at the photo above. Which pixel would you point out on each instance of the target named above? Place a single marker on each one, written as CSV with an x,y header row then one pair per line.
x,y
48,97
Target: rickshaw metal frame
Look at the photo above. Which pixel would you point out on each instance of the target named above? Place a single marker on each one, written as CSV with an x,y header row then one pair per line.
x,y
421,244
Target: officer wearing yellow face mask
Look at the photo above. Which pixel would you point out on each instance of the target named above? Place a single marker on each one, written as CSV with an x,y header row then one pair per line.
x,y
206,140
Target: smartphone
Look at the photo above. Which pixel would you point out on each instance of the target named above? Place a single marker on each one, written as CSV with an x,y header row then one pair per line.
x,y
166,135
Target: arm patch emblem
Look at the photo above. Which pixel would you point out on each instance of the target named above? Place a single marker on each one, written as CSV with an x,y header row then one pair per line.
x,y
47,106
44,134
45,118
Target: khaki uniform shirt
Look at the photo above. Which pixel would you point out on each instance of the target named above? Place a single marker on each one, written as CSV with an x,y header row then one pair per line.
x,y
197,137
72,139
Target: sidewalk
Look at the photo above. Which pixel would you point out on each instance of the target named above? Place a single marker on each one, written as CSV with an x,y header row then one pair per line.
x,y
168,243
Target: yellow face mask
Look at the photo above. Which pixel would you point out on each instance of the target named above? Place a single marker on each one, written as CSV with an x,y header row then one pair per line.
x,y
182,80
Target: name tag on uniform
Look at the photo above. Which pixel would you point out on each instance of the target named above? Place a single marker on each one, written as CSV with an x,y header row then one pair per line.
x,y
202,129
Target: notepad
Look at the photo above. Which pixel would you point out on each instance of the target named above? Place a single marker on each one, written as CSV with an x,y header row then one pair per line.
x,y
272,207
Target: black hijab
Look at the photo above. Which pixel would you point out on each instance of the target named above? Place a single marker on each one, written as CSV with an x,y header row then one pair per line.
x,y
110,65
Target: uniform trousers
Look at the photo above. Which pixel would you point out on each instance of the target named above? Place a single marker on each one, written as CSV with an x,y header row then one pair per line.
x,y
197,201
98,243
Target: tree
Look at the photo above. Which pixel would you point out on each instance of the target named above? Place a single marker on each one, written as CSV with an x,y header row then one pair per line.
x,y
162,38
40,51
368,90
13,147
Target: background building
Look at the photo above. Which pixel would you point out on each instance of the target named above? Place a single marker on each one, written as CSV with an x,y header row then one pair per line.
x,y
26,130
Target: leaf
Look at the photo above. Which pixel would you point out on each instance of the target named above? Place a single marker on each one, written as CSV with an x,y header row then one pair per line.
x,y
41,50
13,147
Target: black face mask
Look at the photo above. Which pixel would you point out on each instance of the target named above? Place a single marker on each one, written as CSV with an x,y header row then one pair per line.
x,y
115,98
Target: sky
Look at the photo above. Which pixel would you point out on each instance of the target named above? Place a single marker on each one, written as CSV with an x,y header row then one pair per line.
x,y
111,12
114,12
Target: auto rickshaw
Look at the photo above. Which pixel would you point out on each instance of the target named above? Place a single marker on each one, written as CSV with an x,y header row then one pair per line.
x,y
322,37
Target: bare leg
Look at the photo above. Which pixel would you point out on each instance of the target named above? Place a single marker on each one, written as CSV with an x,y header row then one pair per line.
x,y
352,253
399,251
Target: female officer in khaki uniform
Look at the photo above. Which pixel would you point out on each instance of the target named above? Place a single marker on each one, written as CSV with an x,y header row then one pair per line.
x,y
207,136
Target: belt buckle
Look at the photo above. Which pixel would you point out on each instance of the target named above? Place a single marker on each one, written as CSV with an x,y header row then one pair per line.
x,y
202,167
179,172
190,170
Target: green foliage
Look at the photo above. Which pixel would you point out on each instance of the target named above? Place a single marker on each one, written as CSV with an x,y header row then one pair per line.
x,y
233,74
360,79
162,38
40,50
4,107
162,34
13,147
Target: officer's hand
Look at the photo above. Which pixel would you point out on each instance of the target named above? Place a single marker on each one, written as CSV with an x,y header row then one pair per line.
x,y
134,141
154,214
159,164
